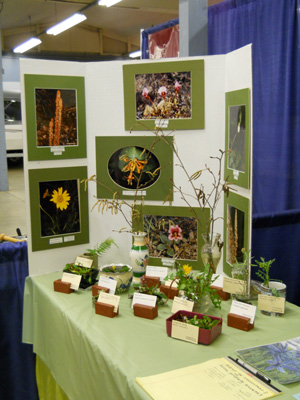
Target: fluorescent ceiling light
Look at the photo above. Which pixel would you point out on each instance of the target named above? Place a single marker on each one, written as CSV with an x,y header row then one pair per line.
x,y
135,54
108,3
66,24
29,44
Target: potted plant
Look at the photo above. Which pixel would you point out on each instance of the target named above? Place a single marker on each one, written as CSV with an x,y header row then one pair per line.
x,y
122,273
89,275
269,286
241,271
209,327
196,286
152,290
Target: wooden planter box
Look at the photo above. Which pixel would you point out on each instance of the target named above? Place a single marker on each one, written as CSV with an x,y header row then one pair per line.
x,y
62,287
150,281
219,291
107,310
148,312
170,292
239,322
206,336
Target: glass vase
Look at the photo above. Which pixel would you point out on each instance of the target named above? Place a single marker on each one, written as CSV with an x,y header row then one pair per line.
x,y
211,250
241,272
139,256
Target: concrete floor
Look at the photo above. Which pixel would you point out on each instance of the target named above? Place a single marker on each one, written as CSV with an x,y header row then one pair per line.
x,y
12,203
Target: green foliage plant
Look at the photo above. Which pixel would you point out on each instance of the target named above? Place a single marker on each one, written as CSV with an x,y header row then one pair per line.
x,y
102,247
195,285
205,323
264,270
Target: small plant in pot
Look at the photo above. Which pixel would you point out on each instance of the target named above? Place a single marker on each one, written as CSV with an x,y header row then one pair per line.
x,y
145,289
269,286
122,273
210,327
89,274
196,286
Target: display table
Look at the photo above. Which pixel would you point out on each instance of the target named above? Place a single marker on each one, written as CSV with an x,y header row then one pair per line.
x,y
98,358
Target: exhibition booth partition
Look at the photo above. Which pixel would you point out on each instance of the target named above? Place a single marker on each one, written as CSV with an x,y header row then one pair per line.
x,y
113,134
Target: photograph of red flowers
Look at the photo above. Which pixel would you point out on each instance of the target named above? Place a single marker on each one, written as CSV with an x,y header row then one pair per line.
x,y
56,117
168,94
163,95
59,207
170,236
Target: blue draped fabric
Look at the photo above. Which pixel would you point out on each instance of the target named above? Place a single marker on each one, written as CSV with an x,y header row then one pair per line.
x,y
146,32
17,378
272,26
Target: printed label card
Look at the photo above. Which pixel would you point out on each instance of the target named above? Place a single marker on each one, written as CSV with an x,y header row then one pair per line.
x,y
181,304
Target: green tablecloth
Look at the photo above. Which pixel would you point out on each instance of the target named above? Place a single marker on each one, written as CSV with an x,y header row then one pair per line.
x,y
98,358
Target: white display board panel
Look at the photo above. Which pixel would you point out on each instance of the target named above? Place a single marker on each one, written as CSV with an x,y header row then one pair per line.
x,y
105,117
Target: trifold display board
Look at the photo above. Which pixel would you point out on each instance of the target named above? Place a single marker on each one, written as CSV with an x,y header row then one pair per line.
x,y
77,120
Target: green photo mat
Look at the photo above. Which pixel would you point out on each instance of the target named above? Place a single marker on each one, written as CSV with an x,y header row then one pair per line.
x,y
39,177
237,161
106,146
196,69
240,206
181,212
38,153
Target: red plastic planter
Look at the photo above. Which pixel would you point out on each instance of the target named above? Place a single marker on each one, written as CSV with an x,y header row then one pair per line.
x,y
206,336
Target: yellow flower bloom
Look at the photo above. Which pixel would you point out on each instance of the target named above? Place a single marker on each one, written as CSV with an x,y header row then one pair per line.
x,y
186,269
113,267
60,198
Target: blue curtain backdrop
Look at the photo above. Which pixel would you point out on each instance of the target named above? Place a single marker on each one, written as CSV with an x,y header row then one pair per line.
x,y
17,378
272,26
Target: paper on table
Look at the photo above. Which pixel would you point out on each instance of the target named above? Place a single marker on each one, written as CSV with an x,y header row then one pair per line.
x,y
214,379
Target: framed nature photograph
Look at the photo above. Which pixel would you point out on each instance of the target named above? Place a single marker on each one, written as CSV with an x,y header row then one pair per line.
x,y
236,229
58,207
134,167
55,114
174,233
166,94
237,162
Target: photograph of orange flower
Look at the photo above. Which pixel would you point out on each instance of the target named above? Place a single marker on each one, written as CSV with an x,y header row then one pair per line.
x,y
56,117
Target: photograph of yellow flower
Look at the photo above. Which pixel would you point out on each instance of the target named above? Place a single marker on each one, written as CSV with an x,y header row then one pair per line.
x,y
59,207
56,117
59,211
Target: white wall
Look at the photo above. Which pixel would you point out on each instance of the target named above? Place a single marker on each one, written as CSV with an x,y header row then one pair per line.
x,y
105,117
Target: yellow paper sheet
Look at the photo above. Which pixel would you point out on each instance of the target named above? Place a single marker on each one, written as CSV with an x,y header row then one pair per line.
x,y
215,379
